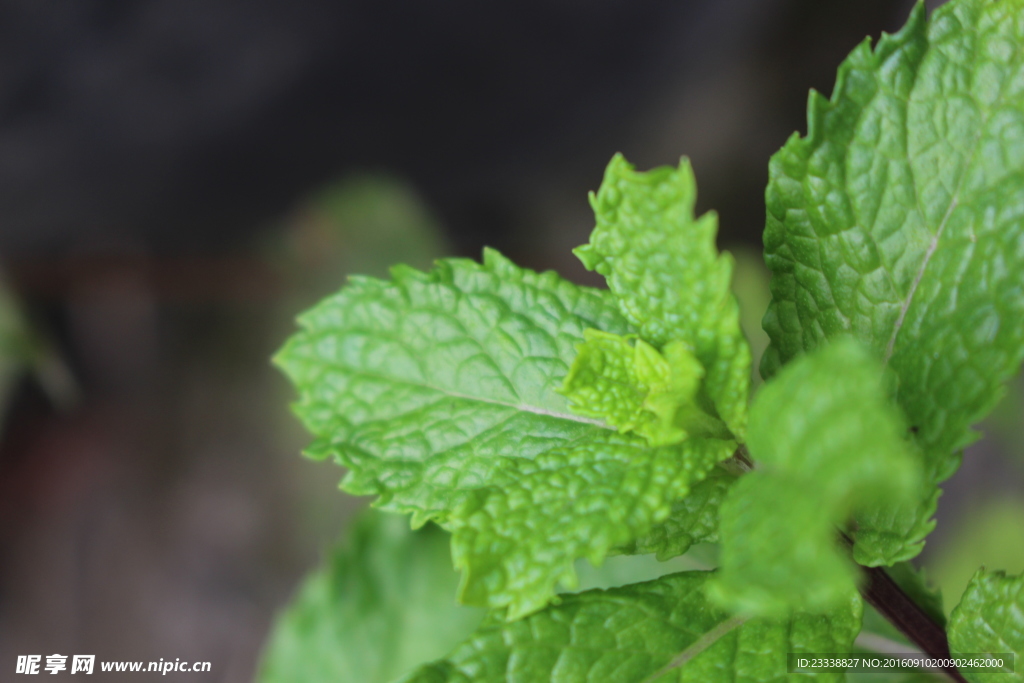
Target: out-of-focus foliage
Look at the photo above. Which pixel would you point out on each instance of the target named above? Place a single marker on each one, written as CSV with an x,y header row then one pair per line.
x,y
15,345
828,444
23,350
361,224
383,604
750,285
989,535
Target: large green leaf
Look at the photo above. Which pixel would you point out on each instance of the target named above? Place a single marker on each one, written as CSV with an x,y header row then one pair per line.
x,y
668,277
990,620
662,630
899,218
382,605
827,442
438,391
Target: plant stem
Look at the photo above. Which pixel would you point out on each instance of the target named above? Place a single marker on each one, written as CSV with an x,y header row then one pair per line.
x,y
882,593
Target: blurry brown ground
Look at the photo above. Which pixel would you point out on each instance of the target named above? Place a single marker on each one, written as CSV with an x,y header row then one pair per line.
x,y
156,165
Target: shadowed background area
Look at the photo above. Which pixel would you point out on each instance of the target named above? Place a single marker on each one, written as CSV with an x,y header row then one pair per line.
x,y
178,178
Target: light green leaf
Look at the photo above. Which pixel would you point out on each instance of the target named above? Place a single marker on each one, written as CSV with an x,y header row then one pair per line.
x,y
898,218
438,391
635,633
990,620
517,539
383,604
829,414
668,277
780,548
889,531
693,519
630,385
827,442
750,285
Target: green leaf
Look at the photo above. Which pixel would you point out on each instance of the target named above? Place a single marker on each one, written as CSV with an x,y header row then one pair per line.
x,y
750,285
827,442
780,548
693,519
363,222
634,633
630,385
668,277
382,605
518,538
438,391
898,219
990,620
890,532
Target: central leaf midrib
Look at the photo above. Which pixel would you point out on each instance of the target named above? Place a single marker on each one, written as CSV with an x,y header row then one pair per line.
x,y
522,407
698,646
933,245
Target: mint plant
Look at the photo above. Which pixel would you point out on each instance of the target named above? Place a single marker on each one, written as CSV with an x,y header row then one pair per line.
x,y
541,422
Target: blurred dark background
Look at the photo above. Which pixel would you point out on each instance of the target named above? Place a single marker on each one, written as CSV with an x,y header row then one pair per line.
x,y
178,178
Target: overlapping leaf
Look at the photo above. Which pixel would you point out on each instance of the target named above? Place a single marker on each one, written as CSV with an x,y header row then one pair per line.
x,y
990,620
662,630
668,277
827,441
438,391
898,219
632,386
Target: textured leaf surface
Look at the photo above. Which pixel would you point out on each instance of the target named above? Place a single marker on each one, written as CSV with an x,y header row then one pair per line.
x,y
990,619
668,277
899,218
890,532
630,385
693,519
629,634
827,442
517,539
438,391
383,605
